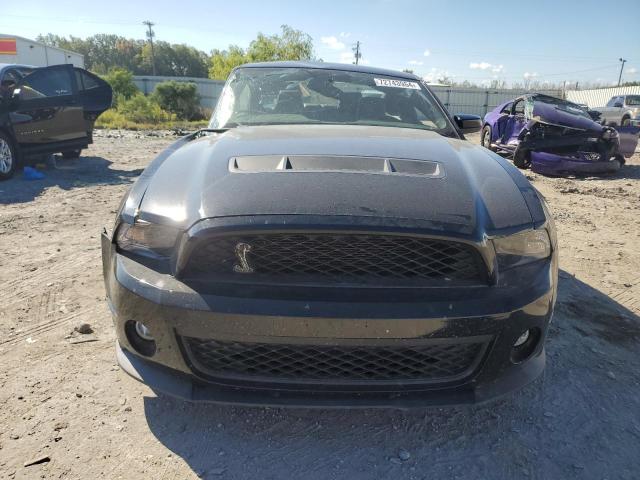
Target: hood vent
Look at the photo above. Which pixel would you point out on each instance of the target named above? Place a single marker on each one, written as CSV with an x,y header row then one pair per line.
x,y
335,163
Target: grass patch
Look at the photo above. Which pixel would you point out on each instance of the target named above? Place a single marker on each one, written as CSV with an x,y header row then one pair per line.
x,y
114,119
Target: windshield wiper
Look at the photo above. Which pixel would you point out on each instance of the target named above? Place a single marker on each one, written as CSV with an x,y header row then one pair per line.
x,y
220,130
212,130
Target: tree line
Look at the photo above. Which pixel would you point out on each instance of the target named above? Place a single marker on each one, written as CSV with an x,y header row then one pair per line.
x,y
105,52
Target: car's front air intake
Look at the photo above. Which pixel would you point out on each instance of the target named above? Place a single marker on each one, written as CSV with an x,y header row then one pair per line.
x,y
334,258
435,362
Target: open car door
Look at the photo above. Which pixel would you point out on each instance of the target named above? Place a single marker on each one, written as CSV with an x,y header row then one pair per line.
x,y
501,122
45,113
514,124
94,94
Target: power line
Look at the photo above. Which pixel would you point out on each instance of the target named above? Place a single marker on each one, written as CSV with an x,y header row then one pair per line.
x,y
150,35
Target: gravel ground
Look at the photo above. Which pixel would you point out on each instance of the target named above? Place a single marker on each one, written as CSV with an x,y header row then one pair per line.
x,y
68,407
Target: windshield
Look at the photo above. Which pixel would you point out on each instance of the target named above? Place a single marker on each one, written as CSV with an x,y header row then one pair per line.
x,y
272,96
633,100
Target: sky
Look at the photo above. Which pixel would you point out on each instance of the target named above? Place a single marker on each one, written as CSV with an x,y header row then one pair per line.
x,y
542,40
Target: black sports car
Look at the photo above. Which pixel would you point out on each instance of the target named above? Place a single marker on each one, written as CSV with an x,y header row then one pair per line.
x,y
331,240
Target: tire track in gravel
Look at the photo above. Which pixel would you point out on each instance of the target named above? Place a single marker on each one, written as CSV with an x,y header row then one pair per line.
x,y
628,297
47,326
60,270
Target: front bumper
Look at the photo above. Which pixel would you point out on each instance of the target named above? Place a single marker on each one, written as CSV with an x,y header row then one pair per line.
x,y
552,164
172,311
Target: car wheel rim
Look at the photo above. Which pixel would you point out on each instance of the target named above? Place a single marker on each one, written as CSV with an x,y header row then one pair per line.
x,y
485,139
6,158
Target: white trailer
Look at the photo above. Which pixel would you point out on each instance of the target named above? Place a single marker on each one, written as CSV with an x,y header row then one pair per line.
x,y
15,49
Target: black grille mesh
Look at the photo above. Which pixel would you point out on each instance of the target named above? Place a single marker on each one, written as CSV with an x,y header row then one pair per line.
x,y
313,362
334,258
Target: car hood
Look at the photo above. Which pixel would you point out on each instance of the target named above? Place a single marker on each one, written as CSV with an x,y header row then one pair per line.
x,y
472,192
551,114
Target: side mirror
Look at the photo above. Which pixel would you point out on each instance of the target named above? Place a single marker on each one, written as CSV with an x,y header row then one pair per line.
x,y
468,123
617,105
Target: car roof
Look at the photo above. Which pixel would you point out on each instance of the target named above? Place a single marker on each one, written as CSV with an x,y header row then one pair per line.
x,y
346,67
4,66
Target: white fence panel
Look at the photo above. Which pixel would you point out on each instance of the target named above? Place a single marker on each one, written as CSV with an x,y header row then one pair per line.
x,y
478,101
209,90
599,97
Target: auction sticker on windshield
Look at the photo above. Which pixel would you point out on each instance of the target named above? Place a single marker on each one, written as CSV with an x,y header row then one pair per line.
x,y
387,82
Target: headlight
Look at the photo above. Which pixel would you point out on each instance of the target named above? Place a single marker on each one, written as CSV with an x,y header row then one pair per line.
x,y
148,239
523,247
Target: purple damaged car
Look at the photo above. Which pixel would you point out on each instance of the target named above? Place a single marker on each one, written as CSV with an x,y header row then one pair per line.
x,y
554,137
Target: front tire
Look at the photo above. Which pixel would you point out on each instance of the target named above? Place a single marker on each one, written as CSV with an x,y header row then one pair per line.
x,y
8,157
521,158
485,138
626,121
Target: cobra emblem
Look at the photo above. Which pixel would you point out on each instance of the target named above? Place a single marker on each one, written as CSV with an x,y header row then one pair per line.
x,y
243,266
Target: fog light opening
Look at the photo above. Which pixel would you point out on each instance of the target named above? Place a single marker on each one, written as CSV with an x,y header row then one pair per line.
x,y
140,338
143,331
525,345
522,339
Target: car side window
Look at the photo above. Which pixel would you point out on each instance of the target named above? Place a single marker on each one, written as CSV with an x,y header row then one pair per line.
x,y
79,80
519,108
613,101
8,82
85,80
46,83
507,108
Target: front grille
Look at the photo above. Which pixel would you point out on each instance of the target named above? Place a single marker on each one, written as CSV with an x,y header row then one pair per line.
x,y
435,362
330,258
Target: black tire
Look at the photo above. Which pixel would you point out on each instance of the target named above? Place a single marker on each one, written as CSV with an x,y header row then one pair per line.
x,y
8,157
485,138
71,154
626,121
521,158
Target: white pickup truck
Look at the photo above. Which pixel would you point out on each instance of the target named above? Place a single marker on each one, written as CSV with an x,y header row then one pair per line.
x,y
621,110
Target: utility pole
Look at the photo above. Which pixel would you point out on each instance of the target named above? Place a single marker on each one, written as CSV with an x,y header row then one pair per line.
x,y
356,52
150,35
621,67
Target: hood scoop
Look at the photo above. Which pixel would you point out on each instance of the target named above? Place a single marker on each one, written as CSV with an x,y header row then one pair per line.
x,y
334,164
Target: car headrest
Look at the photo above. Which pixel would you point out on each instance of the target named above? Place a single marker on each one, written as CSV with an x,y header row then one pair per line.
x,y
372,108
402,107
289,101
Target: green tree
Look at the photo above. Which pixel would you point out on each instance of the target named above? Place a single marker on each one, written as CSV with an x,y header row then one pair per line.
x,y
141,109
174,60
121,82
102,52
74,44
223,61
179,98
291,44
